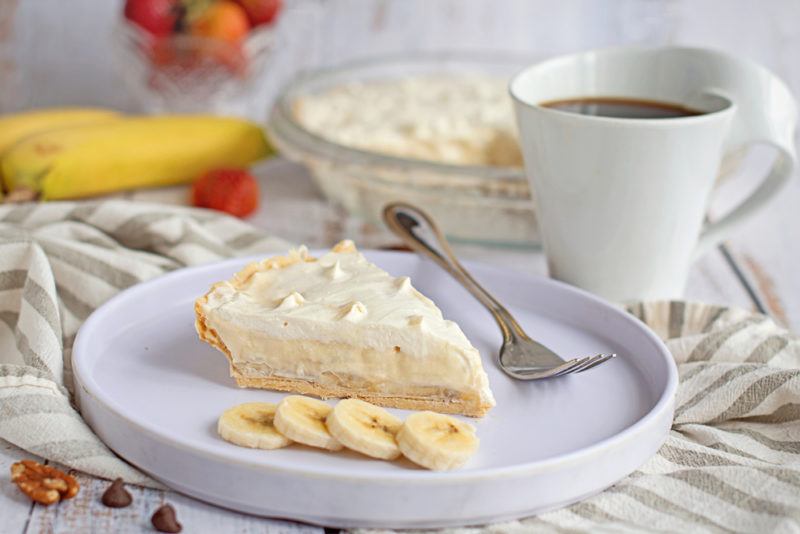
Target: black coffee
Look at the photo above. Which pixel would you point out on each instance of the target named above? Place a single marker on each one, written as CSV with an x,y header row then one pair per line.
x,y
623,108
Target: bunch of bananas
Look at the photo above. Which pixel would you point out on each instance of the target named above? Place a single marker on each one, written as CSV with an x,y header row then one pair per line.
x,y
76,152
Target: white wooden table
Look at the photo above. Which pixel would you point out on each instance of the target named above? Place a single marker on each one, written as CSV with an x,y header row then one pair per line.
x,y
53,52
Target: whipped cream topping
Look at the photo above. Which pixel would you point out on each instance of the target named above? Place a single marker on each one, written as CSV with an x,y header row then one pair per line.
x,y
342,298
335,271
458,119
340,286
293,300
355,312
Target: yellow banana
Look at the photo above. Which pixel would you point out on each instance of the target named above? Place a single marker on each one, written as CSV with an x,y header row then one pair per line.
x,y
437,441
15,127
131,153
27,162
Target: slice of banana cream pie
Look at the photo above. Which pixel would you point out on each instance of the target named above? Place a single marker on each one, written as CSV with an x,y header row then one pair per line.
x,y
339,326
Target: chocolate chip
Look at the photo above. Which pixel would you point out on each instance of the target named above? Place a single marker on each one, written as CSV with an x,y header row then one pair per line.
x,y
164,520
116,496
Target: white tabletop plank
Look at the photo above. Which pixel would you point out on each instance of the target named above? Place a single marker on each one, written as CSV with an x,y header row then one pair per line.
x,y
86,514
15,507
769,253
767,248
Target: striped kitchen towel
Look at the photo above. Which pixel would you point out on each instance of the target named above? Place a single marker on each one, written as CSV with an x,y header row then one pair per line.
x,y
731,462
58,262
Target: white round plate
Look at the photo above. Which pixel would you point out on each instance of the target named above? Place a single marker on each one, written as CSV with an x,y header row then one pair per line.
x,y
153,391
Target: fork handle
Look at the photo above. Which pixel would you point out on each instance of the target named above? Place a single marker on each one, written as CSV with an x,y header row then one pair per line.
x,y
420,233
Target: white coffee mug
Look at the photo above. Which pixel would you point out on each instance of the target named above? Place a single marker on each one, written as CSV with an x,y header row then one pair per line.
x,y
621,201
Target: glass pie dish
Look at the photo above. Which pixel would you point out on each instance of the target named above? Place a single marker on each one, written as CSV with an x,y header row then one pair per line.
x,y
483,204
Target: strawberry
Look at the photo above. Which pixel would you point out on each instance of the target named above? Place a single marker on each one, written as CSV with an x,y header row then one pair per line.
x,y
261,12
158,17
233,191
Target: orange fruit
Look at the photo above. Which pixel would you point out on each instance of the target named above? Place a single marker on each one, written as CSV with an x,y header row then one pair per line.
x,y
222,20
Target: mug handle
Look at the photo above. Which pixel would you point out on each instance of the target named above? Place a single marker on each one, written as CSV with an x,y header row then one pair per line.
x,y
765,112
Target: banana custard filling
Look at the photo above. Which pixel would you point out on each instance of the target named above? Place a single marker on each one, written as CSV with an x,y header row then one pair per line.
x,y
340,326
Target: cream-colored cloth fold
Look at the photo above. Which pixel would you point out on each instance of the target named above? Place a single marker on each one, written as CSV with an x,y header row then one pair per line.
x,y
730,464
58,262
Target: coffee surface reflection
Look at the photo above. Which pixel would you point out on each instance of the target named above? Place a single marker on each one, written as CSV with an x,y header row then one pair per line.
x,y
622,108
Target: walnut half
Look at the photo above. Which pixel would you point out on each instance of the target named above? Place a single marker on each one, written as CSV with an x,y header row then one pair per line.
x,y
43,483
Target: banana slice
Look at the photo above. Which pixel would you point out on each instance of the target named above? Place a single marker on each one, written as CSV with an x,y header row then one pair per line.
x,y
302,419
365,428
251,425
437,441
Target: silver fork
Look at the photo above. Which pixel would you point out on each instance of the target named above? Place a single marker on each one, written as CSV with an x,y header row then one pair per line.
x,y
520,356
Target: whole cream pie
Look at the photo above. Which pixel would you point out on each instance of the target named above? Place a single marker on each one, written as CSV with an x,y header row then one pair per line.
x,y
340,326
